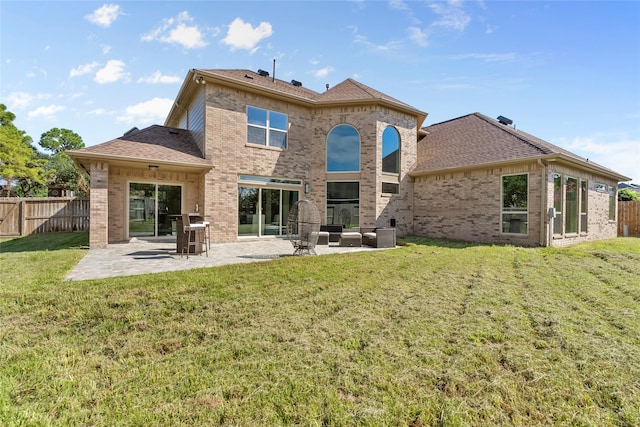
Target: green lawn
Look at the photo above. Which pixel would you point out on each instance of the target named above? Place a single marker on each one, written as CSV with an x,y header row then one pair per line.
x,y
432,333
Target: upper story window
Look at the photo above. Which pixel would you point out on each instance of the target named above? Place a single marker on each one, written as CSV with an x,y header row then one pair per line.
x,y
390,150
343,149
267,128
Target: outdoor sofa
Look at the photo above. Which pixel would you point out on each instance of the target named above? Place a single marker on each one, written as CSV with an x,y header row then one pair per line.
x,y
334,231
380,237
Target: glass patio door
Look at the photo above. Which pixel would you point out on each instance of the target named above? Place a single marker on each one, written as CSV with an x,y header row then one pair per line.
x,y
153,209
264,211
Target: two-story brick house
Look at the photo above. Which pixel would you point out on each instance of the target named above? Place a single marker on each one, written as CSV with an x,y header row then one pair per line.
x,y
242,147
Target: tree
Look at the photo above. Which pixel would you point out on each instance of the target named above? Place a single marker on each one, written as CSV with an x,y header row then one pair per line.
x,y
627,195
58,140
60,168
18,158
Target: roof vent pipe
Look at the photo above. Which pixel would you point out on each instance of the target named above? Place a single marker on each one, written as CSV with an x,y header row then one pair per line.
x,y
296,83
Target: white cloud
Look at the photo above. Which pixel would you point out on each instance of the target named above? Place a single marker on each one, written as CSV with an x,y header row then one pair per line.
x,y
398,4
419,36
158,77
112,72
106,49
46,112
618,152
242,35
21,100
450,15
178,31
105,16
83,69
98,112
323,72
147,112
378,48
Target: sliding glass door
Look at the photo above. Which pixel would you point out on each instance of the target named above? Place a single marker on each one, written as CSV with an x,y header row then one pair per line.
x,y
153,209
263,211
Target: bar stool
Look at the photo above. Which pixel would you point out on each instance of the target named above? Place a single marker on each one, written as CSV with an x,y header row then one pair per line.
x,y
198,236
207,225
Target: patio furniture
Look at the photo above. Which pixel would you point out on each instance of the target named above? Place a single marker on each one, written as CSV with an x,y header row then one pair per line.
x,y
323,238
334,231
350,238
193,236
207,226
303,226
379,237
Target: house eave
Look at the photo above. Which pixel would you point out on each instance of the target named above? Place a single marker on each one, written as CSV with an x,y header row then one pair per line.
x,y
83,159
559,158
600,170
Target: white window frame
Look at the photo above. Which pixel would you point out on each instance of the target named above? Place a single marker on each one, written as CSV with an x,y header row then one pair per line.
x,y
268,129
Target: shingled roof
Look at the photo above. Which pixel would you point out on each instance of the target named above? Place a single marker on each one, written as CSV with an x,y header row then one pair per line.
x,y
347,92
350,91
154,144
475,140
253,79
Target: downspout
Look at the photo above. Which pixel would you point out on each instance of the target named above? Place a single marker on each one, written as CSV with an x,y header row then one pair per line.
x,y
544,217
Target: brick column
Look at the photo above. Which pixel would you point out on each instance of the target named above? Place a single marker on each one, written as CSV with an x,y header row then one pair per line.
x,y
99,206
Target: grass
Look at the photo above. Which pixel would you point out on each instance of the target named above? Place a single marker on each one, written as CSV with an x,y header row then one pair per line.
x,y
434,333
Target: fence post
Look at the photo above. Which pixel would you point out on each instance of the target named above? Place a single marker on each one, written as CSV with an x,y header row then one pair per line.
x,y
22,220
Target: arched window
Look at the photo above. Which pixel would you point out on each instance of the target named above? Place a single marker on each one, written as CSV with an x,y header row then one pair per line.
x,y
343,149
390,150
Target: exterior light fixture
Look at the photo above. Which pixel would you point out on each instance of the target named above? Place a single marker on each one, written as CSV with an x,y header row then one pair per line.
x,y
306,188
200,80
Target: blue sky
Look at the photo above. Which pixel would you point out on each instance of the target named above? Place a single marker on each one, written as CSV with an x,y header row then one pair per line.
x,y
567,72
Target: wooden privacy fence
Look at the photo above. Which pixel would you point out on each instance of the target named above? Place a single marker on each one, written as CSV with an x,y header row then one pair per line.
x,y
22,216
629,219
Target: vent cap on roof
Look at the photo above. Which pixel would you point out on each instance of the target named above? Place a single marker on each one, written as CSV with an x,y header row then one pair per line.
x,y
263,73
296,83
504,120
130,131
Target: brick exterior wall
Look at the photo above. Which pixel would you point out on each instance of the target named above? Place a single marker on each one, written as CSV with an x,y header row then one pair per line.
x,y
304,159
99,206
461,205
467,205
598,224
118,195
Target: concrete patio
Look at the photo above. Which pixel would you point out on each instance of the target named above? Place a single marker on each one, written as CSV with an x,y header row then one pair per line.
x,y
157,256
